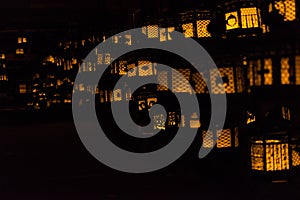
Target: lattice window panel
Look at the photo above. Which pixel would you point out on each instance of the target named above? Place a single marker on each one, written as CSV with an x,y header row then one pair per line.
x,y
268,74
257,157
200,84
287,9
236,137
152,31
202,28
195,121
172,119
144,30
255,66
285,71
132,70
170,30
99,58
240,80
145,68
277,157
162,79
188,29
159,122
162,34
217,86
142,104
122,67
105,96
182,121
151,102
207,137
117,94
232,23
295,158
128,39
107,58
249,17
297,68
179,83
224,138
250,74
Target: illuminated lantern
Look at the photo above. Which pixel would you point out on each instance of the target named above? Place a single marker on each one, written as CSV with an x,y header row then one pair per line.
x,y
195,23
243,18
224,138
274,148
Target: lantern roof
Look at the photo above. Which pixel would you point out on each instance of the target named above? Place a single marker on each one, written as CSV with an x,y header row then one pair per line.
x,y
276,121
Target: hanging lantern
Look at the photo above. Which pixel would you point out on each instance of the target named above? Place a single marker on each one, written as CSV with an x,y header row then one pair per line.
x,y
274,146
243,18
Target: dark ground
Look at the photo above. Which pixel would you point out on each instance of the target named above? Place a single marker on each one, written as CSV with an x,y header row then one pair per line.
x,y
46,160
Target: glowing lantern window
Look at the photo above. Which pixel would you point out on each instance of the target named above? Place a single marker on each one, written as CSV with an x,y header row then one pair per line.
x,y
297,67
152,31
122,67
159,122
145,68
170,30
99,58
2,56
207,139
255,72
224,138
173,119
286,8
107,58
268,72
195,121
128,39
162,35
188,29
202,28
216,83
162,79
179,83
249,18
20,51
285,71
232,20
22,88
131,70
117,94
200,84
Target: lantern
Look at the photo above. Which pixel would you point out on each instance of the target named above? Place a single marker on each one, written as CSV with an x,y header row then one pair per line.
x,y
243,18
195,23
274,146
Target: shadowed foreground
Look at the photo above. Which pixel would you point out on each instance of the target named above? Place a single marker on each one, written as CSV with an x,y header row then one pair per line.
x,y
48,161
